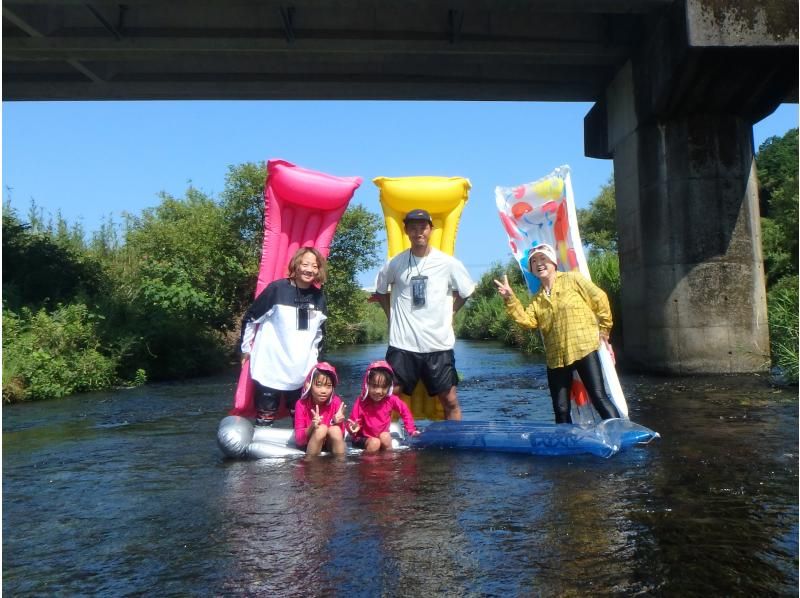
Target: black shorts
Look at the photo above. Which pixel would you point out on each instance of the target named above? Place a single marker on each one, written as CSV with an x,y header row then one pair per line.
x,y
437,370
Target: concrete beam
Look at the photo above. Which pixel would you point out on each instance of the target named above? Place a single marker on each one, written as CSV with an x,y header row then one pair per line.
x,y
159,48
700,58
741,24
556,6
305,87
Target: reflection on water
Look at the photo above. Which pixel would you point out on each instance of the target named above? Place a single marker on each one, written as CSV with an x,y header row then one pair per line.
x,y
125,493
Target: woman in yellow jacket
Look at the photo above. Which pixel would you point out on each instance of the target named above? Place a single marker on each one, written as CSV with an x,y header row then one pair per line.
x,y
574,317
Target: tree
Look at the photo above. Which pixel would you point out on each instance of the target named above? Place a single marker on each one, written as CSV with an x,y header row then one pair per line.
x,y
354,249
598,223
41,269
190,263
777,164
179,283
484,315
243,203
776,161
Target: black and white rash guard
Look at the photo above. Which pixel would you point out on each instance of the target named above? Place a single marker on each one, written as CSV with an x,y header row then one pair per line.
x,y
282,331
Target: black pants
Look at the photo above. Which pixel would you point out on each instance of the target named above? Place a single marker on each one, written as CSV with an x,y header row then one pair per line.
x,y
591,373
268,400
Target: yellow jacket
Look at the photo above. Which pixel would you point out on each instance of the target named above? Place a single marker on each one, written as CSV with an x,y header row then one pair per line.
x,y
571,319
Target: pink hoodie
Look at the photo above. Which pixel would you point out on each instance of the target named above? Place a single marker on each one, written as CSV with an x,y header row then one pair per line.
x,y
304,409
374,417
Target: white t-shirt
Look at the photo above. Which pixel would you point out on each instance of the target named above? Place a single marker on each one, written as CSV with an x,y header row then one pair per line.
x,y
428,328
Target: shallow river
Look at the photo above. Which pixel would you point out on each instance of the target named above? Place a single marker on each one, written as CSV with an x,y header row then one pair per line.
x,y
126,494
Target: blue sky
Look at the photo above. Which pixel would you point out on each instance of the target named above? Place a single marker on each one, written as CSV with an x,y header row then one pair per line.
x,y
91,160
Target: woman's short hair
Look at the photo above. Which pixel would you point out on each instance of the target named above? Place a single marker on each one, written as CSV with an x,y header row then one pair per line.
x,y
322,263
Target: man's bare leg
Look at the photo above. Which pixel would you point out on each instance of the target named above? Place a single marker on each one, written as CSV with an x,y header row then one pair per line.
x,y
449,400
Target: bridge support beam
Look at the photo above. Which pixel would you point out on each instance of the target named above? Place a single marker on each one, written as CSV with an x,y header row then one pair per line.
x,y
677,121
693,292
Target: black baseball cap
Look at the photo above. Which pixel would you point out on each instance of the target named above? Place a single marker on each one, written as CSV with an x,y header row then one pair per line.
x,y
418,215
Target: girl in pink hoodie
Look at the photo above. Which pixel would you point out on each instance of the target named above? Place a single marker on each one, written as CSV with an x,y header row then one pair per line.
x,y
319,414
372,412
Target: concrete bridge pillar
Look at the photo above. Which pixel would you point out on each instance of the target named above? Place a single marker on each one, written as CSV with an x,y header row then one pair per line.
x,y
677,121
690,242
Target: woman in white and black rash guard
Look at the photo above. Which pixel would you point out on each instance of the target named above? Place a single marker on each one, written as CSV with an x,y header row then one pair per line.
x,y
282,332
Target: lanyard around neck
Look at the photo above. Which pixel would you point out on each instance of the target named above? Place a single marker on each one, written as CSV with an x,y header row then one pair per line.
x,y
422,262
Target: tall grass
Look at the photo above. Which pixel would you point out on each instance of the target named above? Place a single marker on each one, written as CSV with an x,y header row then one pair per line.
x,y
604,270
782,310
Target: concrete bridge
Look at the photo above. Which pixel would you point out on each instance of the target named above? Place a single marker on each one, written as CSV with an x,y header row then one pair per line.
x,y
677,85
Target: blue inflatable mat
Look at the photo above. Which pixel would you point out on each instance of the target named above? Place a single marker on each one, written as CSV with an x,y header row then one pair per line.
x,y
603,439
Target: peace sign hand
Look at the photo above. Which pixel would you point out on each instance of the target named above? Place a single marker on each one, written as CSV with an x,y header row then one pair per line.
x,y
339,416
315,417
504,288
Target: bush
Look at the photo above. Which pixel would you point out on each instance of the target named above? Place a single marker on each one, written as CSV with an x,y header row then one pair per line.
x,y
484,317
782,309
51,355
375,326
40,270
353,250
163,344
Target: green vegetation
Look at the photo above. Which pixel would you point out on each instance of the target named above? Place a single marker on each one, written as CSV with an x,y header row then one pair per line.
x,y
783,308
53,354
598,223
776,161
158,297
778,191
354,249
375,327
484,317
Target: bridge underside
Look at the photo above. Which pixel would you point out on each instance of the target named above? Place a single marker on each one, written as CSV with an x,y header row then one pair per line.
x,y
677,85
560,50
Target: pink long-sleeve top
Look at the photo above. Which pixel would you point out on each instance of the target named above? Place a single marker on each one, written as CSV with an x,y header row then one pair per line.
x,y
304,415
374,417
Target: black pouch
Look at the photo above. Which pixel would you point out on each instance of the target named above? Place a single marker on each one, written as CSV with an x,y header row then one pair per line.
x,y
303,308
419,288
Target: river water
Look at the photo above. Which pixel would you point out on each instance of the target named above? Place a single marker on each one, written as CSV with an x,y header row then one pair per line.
x,y
126,494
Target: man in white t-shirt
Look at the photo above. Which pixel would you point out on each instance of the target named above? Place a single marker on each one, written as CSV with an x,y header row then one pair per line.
x,y
427,288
